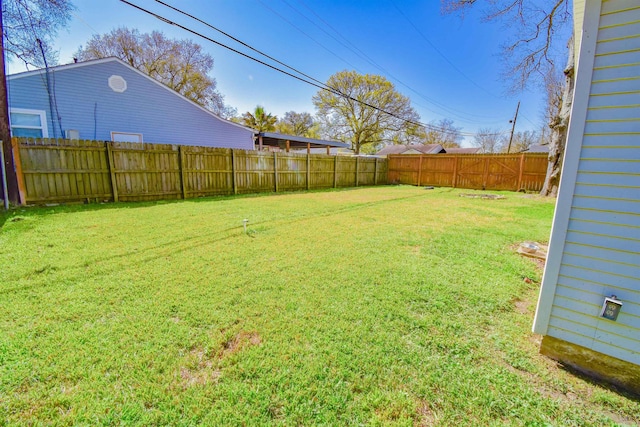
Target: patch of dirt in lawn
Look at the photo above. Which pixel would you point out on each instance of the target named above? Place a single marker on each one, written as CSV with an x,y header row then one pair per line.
x,y
202,367
538,257
201,370
522,307
483,196
238,342
426,417
415,249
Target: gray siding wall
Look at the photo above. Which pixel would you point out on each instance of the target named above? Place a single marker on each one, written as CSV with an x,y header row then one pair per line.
x,y
601,254
86,102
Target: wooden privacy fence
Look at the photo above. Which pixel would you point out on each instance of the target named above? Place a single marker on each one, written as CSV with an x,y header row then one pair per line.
x,y
66,171
475,171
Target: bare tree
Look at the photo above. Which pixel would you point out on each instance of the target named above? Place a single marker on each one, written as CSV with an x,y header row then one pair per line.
x,y
489,140
28,28
559,124
180,64
535,25
523,140
293,123
443,132
553,87
530,56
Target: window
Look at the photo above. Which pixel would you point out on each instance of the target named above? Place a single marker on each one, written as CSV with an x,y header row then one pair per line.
x,y
126,137
28,123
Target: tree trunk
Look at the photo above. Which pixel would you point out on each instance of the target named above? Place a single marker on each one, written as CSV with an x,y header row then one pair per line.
x,y
559,126
5,131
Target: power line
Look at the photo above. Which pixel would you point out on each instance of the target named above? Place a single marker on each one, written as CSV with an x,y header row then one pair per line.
x,y
447,59
364,55
303,32
438,50
311,82
361,54
238,40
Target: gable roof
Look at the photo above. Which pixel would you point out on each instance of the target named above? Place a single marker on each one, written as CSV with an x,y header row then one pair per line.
x,y
91,62
400,149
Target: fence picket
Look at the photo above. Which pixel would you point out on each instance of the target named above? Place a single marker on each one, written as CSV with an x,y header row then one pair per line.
x,y
476,171
67,171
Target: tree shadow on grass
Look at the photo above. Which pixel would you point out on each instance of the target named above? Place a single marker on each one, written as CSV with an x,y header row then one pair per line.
x,y
19,212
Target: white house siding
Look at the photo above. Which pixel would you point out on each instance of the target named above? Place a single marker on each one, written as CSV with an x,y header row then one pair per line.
x,y
600,254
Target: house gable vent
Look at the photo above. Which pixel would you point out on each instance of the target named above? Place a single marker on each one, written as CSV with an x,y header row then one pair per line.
x,y
117,83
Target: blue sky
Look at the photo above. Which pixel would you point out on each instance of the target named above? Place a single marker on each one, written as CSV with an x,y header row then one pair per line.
x,y
449,67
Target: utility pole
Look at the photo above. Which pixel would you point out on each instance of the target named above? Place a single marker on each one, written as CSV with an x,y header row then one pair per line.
x,y
515,119
5,130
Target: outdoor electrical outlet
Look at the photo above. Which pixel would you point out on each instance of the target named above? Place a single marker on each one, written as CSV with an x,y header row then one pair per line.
x,y
611,308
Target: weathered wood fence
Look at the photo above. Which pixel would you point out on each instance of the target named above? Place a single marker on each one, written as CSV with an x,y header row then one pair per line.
x,y
67,171
475,171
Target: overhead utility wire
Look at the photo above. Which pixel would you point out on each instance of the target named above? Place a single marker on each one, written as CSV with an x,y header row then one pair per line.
x,y
311,38
368,59
168,21
320,86
445,57
438,50
195,18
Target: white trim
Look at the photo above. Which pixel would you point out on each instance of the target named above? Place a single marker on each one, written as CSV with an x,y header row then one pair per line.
x,y
575,135
63,67
43,120
139,135
118,60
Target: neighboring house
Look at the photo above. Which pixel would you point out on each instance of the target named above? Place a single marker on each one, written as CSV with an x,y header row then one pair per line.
x,y
594,252
472,150
411,149
106,99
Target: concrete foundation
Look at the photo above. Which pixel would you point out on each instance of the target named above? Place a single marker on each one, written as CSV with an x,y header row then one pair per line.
x,y
621,373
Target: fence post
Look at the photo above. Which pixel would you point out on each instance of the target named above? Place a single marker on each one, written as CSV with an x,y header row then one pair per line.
x,y
485,174
17,163
455,171
335,171
233,172
357,171
308,168
275,171
519,186
112,172
375,173
420,171
182,172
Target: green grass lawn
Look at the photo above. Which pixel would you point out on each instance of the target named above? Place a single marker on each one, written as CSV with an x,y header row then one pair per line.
x,y
375,306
